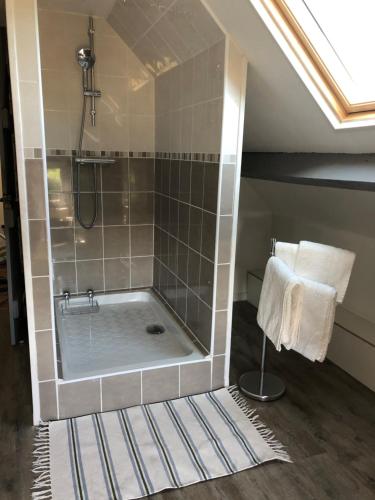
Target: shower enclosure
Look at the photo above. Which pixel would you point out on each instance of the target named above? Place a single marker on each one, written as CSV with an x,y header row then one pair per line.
x,y
143,119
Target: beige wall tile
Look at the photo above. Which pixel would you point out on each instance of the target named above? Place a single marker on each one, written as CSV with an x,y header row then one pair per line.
x,y
225,239
141,133
116,241
38,248
61,210
35,189
195,378
31,119
121,391
64,278
79,398
141,95
222,287
160,384
141,208
48,401
62,241
59,171
89,243
227,189
57,125
218,368
42,303
115,209
114,98
26,41
141,271
142,240
90,275
55,95
117,274
45,356
141,174
220,332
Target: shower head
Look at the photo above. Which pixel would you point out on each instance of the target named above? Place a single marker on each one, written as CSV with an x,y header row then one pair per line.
x,y
85,58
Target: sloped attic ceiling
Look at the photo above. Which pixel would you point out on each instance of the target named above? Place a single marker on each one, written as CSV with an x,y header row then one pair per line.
x,y
281,114
164,33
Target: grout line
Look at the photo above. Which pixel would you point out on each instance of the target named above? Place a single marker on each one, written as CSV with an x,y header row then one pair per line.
x,y
130,230
187,203
179,381
101,394
203,348
187,246
74,226
152,25
212,370
98,259
55,228
57,400
183,282
103,247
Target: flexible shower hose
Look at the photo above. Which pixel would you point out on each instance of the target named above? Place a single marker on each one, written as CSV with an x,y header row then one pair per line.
x,y
78,193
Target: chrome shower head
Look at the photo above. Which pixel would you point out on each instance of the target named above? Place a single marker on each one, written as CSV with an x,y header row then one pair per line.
x,y
85,58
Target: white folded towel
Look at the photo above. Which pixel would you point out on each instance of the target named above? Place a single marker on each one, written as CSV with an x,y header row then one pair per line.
x,y
315,328
287,252
279,311
325,264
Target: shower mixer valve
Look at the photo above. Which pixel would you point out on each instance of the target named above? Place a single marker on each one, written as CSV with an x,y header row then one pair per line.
x,y
90,295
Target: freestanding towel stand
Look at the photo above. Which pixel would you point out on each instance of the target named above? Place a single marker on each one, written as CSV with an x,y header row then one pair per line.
x,y
261,385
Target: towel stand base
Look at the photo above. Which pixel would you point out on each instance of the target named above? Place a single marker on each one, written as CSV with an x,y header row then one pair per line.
x,y
261,385
268,389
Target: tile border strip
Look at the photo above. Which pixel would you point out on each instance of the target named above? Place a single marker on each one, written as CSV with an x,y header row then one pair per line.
x,y
206,157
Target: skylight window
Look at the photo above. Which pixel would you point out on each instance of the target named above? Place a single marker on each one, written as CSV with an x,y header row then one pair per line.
x,y
342,33
335,42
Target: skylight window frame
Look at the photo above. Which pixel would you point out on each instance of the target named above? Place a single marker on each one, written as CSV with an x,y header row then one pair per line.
x,y
317,71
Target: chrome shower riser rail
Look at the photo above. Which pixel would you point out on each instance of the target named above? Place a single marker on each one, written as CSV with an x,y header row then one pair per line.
x,y
92,160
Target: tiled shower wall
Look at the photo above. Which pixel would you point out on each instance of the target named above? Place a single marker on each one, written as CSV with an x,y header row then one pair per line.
x,y
183,47
125,112
52,397
118,252
189,106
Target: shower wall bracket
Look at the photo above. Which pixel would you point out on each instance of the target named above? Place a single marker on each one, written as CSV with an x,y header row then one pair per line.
x,y
92,93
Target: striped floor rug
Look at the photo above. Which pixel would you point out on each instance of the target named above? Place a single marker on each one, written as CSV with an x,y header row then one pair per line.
x,y
139,451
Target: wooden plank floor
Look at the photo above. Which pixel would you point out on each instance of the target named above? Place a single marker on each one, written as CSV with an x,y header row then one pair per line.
x,y
326,420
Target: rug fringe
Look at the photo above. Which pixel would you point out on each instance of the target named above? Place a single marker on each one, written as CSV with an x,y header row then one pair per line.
x,y
263,430
41,489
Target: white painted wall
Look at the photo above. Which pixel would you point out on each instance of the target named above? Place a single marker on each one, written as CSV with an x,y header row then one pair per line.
x,y
253,236
331,216
337,217
281,114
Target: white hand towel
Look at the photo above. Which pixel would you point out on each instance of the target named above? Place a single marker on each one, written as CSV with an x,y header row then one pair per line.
x,y
279,312
318,313
325,264
287,252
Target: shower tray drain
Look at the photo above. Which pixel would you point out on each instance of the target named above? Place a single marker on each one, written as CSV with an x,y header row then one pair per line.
x,y
155,329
